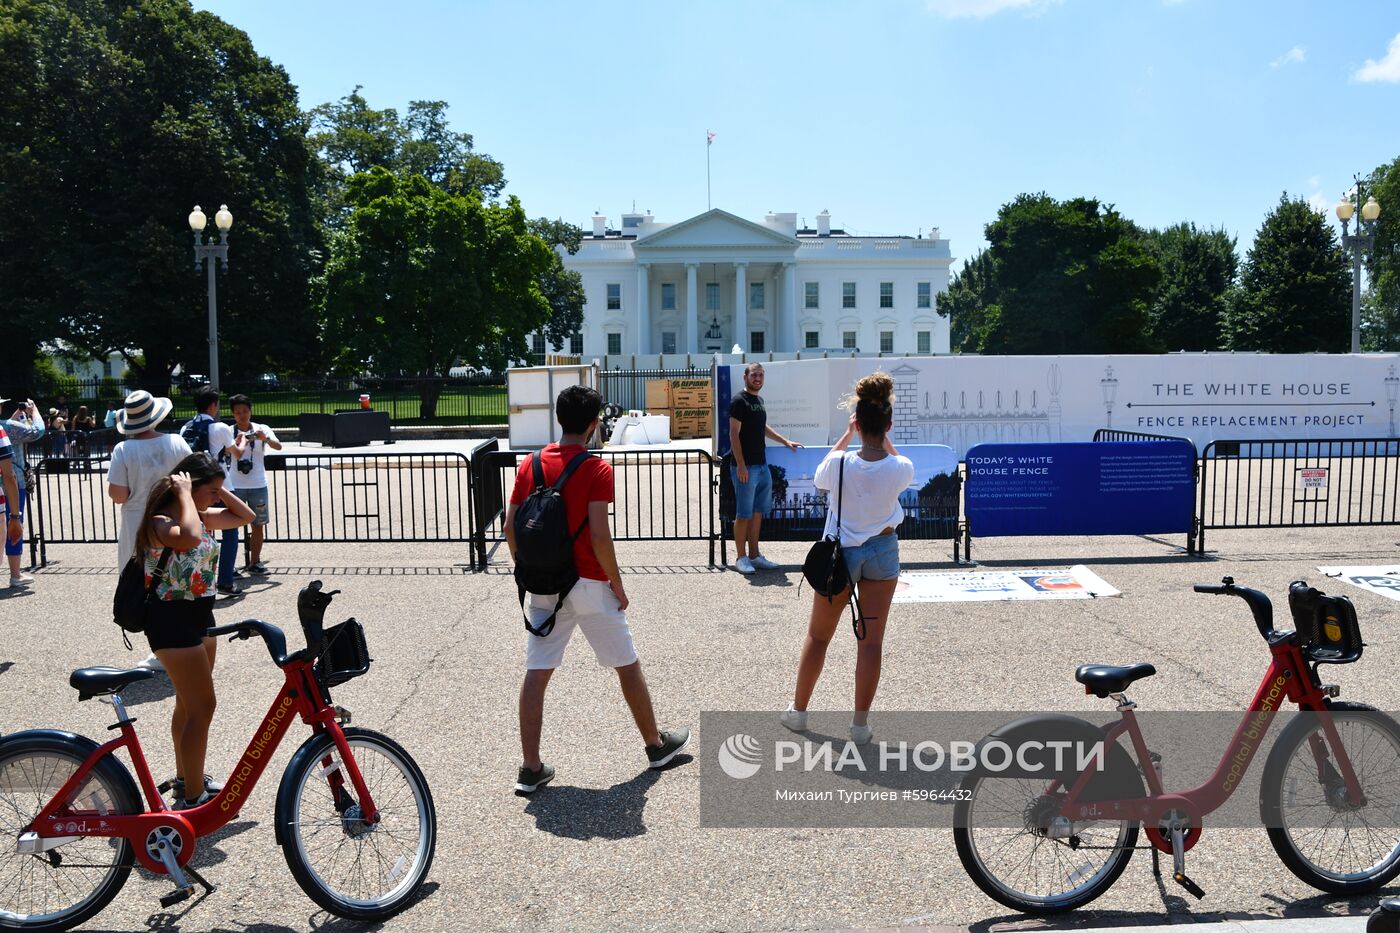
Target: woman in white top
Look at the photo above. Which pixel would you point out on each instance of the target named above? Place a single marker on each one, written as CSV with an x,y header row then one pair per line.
x,y
868,500
138,461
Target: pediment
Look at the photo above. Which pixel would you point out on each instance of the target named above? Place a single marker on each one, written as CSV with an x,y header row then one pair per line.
x,y
715,229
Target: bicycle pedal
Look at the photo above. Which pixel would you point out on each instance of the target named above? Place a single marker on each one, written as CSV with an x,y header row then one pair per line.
x,y
1192,887
165,787
176,896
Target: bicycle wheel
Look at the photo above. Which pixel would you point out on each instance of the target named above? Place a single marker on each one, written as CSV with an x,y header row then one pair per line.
x,y
354,870
63,887
1323,839
1004,840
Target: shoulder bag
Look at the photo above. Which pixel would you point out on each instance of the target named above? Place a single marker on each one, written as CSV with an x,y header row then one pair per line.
x,y
825,567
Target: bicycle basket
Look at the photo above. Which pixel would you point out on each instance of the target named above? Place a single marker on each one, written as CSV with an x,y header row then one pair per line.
x,y
1328,631
344,654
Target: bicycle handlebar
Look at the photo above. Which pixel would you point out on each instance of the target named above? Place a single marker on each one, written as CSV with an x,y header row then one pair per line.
x,y
311,608
271,635
1259,604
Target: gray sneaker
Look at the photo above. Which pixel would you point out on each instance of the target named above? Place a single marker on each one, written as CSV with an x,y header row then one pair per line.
x,y
763,563
672,742
744,566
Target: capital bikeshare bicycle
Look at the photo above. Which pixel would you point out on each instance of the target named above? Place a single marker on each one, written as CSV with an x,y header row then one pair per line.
x,y
1330,794
354,815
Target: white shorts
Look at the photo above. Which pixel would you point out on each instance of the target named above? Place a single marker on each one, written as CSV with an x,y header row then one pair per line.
x,y
591,606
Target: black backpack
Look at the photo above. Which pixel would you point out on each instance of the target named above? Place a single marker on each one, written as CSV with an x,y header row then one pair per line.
x,y
133,596
196,434
544,546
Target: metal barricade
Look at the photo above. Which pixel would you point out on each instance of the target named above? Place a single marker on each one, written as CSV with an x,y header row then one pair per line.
x,y
369,497
664,495
1103,435
69,504
1298,484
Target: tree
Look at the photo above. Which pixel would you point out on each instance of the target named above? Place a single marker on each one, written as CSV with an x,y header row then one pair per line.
x,y
968,303
1380,310
419,277
562,288
1059,277
119,117
1295,289
351,137
1198,270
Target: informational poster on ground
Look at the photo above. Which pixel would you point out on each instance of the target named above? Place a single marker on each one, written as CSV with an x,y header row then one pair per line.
x,y
962,401
799,507
1383,581
1079,489
1077,582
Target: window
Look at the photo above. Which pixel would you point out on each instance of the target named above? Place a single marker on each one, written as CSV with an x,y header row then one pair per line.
x,y
848,340
812,294
711,296
668,296
756,341
756,295
887,294
848,294
614,296
925,295
886,341
925,342
614,344
811,340
537,348
107,368
668,341
576,344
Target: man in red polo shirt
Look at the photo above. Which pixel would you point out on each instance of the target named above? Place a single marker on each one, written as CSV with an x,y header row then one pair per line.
x,y
597,601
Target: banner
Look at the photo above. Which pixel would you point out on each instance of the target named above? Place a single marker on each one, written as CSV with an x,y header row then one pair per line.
x,y
799,507
1078,582
962,401
1383,581
1080,489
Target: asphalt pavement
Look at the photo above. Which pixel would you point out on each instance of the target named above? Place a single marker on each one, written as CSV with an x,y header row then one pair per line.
x,y
612,845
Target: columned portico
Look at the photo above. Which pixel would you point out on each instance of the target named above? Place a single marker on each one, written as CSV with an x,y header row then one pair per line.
x,y
789,306
741,306
692,308
643,310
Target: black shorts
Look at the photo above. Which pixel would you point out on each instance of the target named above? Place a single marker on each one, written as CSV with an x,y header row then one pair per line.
x,y
179,623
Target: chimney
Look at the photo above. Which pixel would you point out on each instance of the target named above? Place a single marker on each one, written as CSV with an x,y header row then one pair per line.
x,y
824,223
600,226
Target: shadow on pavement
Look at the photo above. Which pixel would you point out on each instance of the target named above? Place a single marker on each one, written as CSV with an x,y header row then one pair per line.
x,y
586,813
154,690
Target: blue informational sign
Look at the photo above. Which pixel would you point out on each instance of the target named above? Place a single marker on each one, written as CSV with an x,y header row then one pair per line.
x,y
1124,488
724,394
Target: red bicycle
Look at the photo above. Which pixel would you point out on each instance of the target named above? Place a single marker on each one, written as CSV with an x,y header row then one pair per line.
x,y
1329,796
354,815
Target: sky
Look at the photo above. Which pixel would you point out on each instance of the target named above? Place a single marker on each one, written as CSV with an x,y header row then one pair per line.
x,y
897,116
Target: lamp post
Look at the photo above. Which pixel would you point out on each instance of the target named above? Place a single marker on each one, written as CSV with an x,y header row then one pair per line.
x,y
1109,384
1357,242
211,254
1392,394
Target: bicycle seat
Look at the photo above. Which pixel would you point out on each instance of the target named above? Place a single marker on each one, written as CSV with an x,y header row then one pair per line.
x,y
97,681
1103,679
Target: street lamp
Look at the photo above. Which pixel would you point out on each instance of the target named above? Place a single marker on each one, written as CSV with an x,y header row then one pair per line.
x,y
1357,242
211,254
1109,384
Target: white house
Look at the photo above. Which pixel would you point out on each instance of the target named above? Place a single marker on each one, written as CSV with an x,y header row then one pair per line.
x,y
705,284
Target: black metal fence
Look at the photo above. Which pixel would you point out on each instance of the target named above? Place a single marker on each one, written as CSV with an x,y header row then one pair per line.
x,y
1113,434
665,495
1298,484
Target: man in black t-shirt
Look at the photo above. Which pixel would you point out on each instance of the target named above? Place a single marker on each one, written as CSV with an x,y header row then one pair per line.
x,y
753,483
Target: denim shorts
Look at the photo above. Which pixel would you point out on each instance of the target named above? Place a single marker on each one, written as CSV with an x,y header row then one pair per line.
x,y
257,501
754,497
876,559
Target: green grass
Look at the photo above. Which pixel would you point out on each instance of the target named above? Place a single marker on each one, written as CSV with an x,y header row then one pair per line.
x,y
456,405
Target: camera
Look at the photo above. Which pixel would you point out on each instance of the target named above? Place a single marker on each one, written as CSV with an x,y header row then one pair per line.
x,y
245,466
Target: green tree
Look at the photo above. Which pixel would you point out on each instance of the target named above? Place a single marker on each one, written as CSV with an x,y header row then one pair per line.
x,y
1059,277
1295,288
562,288
352,137
969,303
1198,270
419,277
1380,310
119,117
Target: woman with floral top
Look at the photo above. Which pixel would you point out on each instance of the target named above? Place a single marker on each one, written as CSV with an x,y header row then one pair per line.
x,y
180,515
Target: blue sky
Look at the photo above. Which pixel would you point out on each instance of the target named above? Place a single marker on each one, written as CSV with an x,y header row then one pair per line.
x,y
893,115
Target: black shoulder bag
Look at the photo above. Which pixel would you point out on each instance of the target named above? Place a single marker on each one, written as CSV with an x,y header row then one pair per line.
x,y
133,597
825,567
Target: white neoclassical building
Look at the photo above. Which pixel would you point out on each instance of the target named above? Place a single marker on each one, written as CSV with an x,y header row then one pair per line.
x,y
716,280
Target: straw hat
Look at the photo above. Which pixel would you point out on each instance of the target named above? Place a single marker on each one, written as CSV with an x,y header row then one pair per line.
x,y
143,411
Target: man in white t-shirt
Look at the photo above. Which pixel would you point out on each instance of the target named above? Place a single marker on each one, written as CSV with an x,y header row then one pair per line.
x,y
249,475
